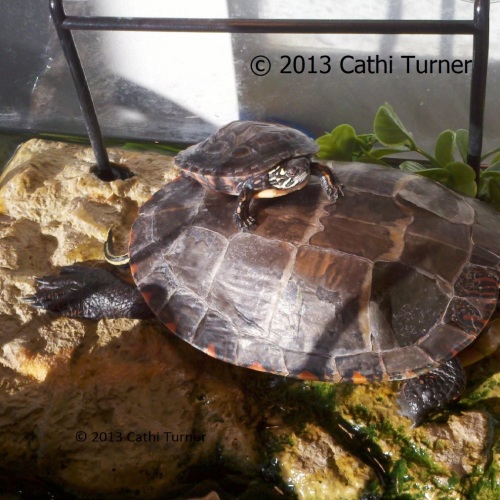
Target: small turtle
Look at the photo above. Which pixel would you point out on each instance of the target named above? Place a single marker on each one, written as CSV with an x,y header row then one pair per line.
x,y
256,160
390,283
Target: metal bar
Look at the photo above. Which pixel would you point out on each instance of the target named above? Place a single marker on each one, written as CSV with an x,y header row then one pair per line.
x,y
82,88
478,27
478,84
302,26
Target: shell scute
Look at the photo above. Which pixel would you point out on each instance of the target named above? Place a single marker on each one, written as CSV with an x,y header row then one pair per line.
x,y
444,341
419,192
401,295
261,356
470,315
360,368
436,245
249,281
183,312
316,315
477,282
299,364
367,225
217,337
407,362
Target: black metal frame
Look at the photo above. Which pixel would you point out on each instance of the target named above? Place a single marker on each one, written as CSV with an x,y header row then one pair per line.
x,y
478,27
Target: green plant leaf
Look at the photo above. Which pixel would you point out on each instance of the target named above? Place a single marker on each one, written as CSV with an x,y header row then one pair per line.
x,y
495,192
490,153
489,189
412,166
367,140
462,178
389,129
365,143
494,168
380,153
339,145
462,141
437,174
444,148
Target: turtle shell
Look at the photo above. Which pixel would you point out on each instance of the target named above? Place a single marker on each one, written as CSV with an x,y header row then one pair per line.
x,y
241,150
395,278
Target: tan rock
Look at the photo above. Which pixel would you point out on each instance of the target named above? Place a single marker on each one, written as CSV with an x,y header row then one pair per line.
x,y
460,443
318,467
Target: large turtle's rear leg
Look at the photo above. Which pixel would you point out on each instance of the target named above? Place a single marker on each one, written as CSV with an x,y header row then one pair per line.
x,y
432,391
89,292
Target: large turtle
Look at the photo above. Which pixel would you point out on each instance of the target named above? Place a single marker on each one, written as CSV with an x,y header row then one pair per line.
x,y
389,283
256,160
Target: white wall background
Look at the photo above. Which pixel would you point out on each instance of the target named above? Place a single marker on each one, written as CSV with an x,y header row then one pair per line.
x,y
180,86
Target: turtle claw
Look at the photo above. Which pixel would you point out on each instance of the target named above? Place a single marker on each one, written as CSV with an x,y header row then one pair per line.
x,y
43,302
329,181
248,223
333,192
57,293
33,301
48,282
88,292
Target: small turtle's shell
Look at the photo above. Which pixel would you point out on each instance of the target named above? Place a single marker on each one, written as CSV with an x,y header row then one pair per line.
x,y
241,150
394,279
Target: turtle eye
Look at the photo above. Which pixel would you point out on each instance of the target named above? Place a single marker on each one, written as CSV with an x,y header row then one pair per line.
x,y
291,171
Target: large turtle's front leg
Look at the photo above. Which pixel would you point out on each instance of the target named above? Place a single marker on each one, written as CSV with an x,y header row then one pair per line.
x,y
432,391
329,180
89,292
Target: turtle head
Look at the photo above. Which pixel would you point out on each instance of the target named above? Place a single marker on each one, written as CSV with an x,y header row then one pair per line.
x,y
289,174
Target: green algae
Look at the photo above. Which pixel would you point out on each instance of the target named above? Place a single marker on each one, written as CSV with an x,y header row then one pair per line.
x,y
487,390
365,421
409,450
292,406
484,484
400,486
412,449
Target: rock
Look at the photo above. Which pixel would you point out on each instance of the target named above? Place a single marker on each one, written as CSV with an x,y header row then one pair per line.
x,y
318,467
97,407
460,443
122,408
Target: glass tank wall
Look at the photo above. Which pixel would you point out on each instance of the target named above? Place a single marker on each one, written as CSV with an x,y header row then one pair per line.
x,y
178,87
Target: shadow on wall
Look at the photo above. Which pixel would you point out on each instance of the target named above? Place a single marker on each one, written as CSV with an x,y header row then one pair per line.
x,y
23,58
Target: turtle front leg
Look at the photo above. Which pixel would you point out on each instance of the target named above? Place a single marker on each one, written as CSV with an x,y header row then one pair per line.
x,y
241,215
329,180
432,391
88,292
